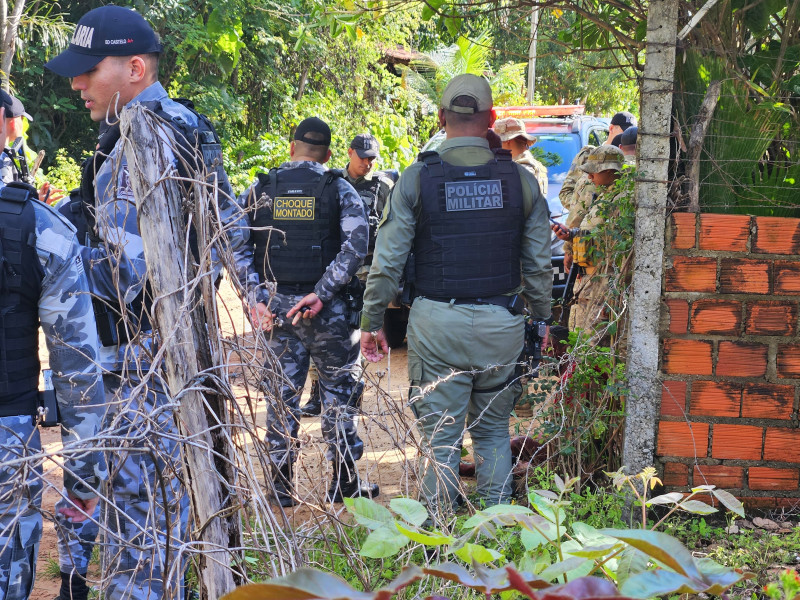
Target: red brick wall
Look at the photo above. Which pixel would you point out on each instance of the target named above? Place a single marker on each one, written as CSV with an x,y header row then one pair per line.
x,y
730,357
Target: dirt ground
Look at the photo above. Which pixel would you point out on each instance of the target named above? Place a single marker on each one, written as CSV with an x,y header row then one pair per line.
x,y
386,426
384,431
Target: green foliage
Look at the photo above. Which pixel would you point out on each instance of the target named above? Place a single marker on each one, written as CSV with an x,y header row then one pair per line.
x,y
64,173
787,588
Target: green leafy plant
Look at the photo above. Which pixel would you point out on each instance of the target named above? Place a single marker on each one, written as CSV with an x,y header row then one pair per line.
x,y
786,588
638,485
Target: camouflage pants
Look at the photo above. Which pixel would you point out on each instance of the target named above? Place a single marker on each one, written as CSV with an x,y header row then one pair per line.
x,y
334,347
145,520
20,501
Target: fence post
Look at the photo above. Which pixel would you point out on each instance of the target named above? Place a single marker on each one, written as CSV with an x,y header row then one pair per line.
x,y
180,323
651,204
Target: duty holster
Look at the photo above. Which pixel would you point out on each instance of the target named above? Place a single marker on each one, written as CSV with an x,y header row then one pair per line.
x,y
354,302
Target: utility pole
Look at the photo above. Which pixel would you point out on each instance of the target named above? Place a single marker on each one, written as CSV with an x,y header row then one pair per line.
x,y
655,127
532,53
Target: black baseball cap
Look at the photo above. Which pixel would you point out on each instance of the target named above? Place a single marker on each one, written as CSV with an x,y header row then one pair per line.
x,y
365,145
105,31
623,119
617,140
316,126
13,106
629,136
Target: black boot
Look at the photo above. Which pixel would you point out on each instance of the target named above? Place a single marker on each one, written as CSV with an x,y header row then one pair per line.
x,y
313,407
283,481
346,483
73,586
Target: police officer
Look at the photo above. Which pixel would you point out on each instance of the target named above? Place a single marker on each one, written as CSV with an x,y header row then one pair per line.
x,y
42,281
628,145
479,226
10,169
374,188
324,243
112,61
620,122
517,140
602,168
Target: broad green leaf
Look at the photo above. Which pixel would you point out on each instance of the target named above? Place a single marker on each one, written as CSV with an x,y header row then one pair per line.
x,y
656,583
532,539
595,552
477,553
383,543
729,501
659,546
539,525
631,562
302,584
507,509
559,483
588,535
425,537
718,577
670,498
545,508
696,507
557,570
412,511
368,513
544,494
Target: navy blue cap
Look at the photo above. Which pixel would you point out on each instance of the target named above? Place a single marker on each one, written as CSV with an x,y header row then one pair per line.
x,y
629,136
365,145
623,119
13,106
105,31
315,126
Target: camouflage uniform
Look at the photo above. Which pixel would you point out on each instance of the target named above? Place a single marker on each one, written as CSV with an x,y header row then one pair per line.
x,y
326,338
144,417
591,287
374,209
570,190
66,317
527,160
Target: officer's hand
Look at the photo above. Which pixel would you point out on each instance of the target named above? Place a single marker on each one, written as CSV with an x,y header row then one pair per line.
x,y
561,231
49,194
567,261
261,316
82,510
372,344
308,308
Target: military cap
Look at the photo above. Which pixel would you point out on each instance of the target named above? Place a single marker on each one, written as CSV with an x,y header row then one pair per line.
x,y
629,136
13,106
321,133
511,128
469,85
623,119
105,31
603,158
365,145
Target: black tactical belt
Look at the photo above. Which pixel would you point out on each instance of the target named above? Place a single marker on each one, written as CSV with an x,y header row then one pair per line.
x,y
514,303
295,288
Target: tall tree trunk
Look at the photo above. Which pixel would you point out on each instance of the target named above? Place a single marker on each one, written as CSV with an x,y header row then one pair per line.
x,y
182,329
651,204
9,28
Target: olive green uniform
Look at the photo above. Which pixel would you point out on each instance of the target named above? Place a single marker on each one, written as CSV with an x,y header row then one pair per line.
x,y
461,357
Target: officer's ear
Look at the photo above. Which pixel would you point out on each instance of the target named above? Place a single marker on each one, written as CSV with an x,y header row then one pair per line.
x,y
291,150
492,118
442,120
327,157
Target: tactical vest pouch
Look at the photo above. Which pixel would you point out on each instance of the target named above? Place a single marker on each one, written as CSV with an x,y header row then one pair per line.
x,y
583,250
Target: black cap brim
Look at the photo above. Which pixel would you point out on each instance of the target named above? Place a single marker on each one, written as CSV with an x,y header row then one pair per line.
x,y
366,153
71,64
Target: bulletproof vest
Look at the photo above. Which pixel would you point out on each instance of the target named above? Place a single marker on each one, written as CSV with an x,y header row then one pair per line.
x,y
304,204
468,236
80,210
368,190
21,277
